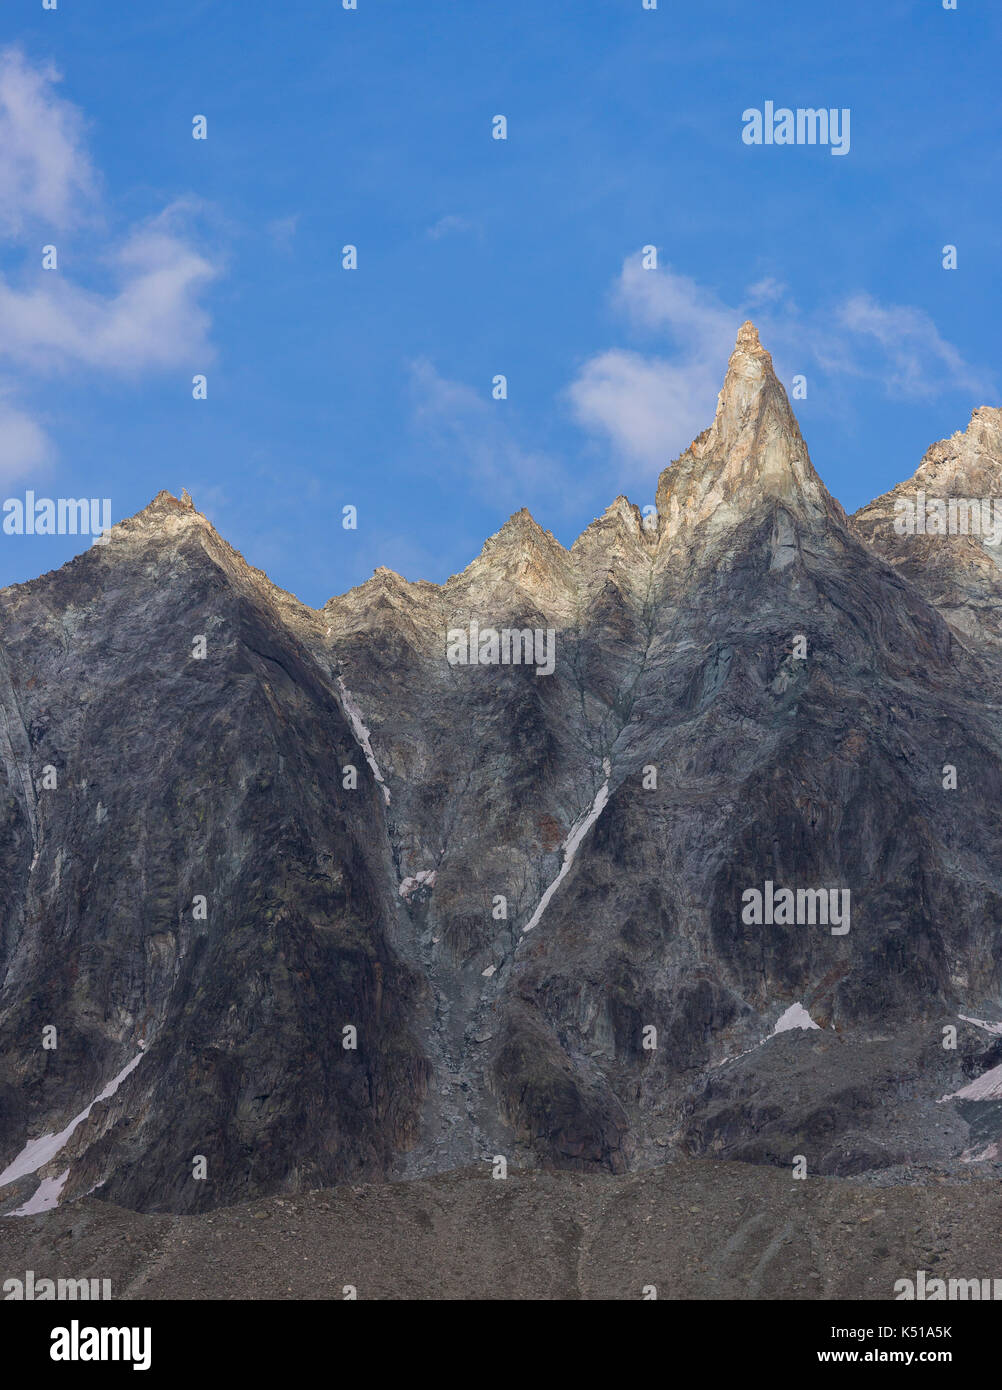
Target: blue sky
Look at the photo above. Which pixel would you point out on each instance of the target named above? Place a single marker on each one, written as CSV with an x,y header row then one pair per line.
x,y
372,387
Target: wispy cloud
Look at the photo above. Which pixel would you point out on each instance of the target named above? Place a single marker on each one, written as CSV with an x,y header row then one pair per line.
x,y
664,300
150,319
45,172
914,359
24,445
471,434
282,231
648,408
450,224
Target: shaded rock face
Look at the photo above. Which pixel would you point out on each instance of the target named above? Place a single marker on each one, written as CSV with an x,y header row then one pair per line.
x,y
528,891
178,778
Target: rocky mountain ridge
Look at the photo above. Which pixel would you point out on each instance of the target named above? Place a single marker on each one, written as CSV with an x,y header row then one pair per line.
x,y
349,909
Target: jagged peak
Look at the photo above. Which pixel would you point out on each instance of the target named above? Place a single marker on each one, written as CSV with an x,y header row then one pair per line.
x,y
166,499
752,451
984,428
982,434
621,509
748,337
522,526
967,464
162,509
521,534
750,389
521,563
619,514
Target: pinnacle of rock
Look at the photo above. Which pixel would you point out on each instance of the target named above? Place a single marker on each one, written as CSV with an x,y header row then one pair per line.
x,y
522,534
163,505
750,384
747,336
752,451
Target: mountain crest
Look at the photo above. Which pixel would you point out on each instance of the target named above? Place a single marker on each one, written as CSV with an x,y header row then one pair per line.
x,y
753,451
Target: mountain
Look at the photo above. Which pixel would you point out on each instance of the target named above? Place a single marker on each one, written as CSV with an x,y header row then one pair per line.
x,y
956,565
238,835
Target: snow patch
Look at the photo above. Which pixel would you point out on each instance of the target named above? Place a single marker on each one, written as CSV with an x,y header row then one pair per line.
x,y
46,1196
489,971
989,1153
424,878
37,1152
572,844
796,1016
362,735
986,1087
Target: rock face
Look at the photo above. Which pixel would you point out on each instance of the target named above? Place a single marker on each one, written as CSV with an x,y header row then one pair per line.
x,y
955,498
526,883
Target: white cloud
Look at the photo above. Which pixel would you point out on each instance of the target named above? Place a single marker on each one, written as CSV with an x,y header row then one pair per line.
x,y
449,223
648,409
151,317
45,173
24,446
660,299
283,231
766,291
917,361
152,320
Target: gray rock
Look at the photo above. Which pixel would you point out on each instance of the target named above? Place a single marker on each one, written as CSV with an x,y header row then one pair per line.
x,y
376,905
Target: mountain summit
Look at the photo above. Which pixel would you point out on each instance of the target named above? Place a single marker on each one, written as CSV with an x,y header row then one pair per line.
x,y
752,453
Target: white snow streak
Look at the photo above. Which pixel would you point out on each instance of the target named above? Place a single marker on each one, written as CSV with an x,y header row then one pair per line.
x,y
987,1154
362,735
982,1023
986,1087
37,1152
572,844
